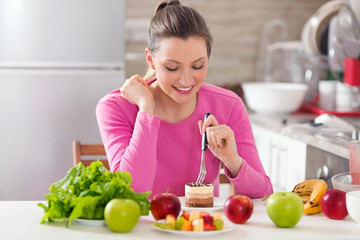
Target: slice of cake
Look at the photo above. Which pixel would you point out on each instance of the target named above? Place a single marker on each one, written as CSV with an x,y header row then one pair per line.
x,y
199,194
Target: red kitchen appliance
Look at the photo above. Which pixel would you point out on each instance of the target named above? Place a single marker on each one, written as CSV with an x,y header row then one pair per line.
x,y
352,72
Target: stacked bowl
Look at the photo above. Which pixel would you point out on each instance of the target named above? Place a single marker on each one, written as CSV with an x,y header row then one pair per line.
x,y
349,183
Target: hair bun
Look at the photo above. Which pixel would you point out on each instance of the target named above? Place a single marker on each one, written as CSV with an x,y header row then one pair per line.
x,y
163,4
173,3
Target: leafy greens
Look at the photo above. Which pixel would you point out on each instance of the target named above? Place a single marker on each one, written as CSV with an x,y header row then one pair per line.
x,y
85,191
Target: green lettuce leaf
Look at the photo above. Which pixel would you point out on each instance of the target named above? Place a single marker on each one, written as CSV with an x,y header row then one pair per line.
x,y
85,191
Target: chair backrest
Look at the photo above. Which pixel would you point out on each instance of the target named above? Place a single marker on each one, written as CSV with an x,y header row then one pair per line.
x,y
87,153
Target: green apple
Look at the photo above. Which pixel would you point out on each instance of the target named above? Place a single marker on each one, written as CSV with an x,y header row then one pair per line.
x,y
121,215
285,209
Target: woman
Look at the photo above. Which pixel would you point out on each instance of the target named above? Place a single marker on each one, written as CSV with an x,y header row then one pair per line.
x,y
149,127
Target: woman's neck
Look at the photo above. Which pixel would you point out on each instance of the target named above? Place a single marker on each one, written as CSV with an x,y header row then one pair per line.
x,y
170,111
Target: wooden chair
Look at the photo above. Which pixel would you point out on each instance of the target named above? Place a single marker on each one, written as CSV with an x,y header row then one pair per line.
x,y
81,152
87,153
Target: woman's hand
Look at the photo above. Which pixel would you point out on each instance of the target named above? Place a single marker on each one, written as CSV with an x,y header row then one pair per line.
x,y
136,91
221,142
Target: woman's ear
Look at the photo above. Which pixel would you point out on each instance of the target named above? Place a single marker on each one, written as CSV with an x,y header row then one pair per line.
x,y
149,59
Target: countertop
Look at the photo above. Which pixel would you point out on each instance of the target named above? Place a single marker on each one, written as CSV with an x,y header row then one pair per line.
x,y
296,126
21,220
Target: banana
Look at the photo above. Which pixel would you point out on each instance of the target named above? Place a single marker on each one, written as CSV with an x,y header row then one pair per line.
x,y
312,209
316,188
311,191
305,198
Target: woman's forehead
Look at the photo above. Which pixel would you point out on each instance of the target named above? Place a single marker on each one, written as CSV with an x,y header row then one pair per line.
x,y
192,48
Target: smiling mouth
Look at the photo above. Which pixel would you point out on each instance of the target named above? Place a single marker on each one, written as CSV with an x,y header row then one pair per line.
x,y
184,89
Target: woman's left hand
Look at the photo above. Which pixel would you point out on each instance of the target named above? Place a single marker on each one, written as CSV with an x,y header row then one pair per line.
x,y
221,142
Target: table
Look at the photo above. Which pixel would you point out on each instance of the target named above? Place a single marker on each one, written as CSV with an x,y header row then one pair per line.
x,y
21,220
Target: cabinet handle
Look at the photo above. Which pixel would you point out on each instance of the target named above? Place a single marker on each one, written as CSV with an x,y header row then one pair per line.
x,y
323,173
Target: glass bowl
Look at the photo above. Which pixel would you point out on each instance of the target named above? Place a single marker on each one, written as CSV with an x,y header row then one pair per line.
x,y
346,182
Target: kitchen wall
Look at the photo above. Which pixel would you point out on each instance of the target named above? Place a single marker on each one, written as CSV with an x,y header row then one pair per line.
x,y
236,26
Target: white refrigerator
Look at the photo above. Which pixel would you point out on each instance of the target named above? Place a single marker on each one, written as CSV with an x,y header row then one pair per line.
x,y
57,59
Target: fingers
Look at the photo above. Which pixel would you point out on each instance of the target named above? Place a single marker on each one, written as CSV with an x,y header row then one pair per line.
x,y
204,126
139,79
210,121
132,82
133,78
200,124
218,135
136,91
221,139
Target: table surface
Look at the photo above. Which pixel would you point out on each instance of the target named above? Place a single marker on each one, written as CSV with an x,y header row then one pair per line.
x,y
21,220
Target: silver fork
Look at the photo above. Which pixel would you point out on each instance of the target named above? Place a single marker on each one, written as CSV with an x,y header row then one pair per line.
x,y
202,173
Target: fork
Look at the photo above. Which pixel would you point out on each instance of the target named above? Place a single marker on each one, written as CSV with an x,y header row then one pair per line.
x,y
202,173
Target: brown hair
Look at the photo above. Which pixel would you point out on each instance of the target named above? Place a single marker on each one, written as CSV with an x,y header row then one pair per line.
x,y
171,19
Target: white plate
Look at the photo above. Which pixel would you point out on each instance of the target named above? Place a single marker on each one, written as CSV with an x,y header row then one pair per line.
x,y
90,221
227,227
218,205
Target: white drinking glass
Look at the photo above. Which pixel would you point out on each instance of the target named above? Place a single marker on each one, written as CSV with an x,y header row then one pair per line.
x,y
327,94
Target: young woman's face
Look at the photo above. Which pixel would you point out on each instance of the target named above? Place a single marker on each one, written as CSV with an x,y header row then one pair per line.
x,y
181,67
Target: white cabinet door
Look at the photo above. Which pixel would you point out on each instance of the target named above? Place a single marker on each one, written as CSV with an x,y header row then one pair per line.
x,y
296,162
283,158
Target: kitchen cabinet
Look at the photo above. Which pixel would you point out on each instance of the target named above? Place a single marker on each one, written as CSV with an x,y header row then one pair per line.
x,y
324,165
283,158
291,151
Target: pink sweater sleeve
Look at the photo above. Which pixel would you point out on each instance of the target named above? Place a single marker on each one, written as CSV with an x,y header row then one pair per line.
x,y
130,146
251,179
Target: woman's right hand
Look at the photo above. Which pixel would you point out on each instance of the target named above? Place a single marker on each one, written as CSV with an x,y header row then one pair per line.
x,y
136,91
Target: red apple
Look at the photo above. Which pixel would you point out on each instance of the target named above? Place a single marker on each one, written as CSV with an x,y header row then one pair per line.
x,y
163,204
238,208
333,204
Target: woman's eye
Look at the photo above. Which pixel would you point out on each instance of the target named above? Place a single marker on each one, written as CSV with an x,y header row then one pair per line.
x,y
198,68
171,69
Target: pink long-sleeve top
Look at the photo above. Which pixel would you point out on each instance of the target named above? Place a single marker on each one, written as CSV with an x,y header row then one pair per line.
x,y
160,155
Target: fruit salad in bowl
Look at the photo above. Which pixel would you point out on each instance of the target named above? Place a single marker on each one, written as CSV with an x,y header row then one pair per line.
x,y
192,221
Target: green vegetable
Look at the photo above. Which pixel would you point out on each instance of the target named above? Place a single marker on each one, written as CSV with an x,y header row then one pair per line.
x,y
85,191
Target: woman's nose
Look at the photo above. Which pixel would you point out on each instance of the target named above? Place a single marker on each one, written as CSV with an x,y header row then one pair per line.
x,y
185,78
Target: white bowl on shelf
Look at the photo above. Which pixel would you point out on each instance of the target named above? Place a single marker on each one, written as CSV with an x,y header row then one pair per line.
x,y
274,97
